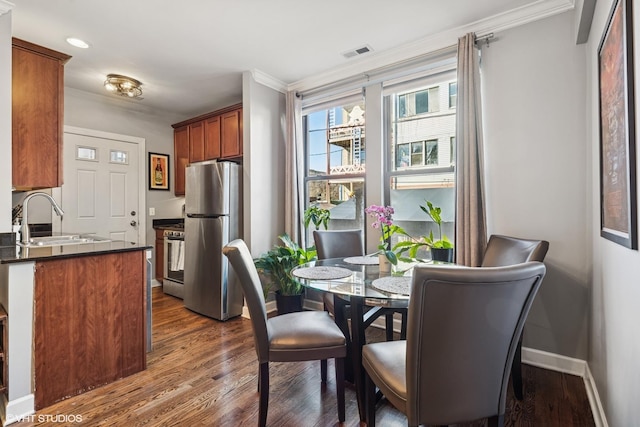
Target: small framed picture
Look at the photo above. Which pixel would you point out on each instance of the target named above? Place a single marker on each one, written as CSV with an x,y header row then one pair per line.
x,y
158,171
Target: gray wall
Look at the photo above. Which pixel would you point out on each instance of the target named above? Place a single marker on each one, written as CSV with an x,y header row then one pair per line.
x,y
534,82
264,164
614,341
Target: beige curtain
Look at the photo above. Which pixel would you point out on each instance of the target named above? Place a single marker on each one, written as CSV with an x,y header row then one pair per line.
x,y
294,173
471,228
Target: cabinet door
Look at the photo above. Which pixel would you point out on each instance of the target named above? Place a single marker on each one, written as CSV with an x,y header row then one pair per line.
x,y
196,142
159,255
181,154
37,116
212,138
231,144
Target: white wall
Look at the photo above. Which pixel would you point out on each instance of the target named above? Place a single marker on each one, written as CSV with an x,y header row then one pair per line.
x,y
263,164
89,111
5,120
614,340
534,82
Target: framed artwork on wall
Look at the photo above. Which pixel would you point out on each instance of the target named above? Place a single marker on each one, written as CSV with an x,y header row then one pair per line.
x,y
158,171
618,203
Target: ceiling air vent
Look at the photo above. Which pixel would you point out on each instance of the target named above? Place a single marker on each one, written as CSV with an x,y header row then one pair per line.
x,y
359,51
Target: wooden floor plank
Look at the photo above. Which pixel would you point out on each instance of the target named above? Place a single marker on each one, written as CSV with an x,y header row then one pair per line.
x,y
202,372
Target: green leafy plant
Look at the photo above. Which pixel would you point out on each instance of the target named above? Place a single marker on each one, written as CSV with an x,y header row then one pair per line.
x,y
384,221
411,247
278,262
318,216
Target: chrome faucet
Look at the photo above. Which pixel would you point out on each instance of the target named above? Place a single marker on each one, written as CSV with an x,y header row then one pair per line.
x,y
24,229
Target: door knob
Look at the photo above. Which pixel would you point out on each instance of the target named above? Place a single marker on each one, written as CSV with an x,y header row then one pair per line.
x,y
133,213
133,223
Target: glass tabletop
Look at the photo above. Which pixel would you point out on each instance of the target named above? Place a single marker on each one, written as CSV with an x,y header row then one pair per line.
x,y
360,283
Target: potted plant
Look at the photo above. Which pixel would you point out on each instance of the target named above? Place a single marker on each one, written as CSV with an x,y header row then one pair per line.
x,y
384,221
318,216
277,263
441,248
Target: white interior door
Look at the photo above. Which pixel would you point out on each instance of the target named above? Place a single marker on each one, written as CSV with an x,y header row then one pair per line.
x,y
101,191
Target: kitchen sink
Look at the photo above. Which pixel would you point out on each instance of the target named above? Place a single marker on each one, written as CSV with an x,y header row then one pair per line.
x,y
65,239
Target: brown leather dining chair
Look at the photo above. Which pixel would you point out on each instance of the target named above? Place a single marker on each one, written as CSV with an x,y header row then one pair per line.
x,y
462,333
348,243
293,337
505,250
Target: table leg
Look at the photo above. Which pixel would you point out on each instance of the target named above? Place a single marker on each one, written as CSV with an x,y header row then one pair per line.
x,y
357,341
340,307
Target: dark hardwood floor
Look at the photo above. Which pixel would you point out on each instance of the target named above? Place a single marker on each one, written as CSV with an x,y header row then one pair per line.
x,y
204,373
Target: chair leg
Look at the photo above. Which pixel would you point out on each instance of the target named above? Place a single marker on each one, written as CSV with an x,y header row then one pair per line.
x,y
340,388
496,421
516,371
323,370
370,400
389,325
403,325
264,394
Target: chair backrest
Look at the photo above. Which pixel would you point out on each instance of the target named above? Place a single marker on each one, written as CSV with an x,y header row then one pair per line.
x,y
338,243
462,332
505,250
241,261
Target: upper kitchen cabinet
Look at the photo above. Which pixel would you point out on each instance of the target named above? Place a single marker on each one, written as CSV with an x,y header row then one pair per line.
x,y
37,121
181,155
211,136
231,139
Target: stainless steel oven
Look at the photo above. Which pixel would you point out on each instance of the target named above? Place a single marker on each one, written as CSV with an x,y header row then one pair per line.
x,y
173,277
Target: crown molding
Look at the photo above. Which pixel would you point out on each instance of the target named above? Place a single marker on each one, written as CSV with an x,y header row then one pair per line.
x,y
267,80
441,41
5,7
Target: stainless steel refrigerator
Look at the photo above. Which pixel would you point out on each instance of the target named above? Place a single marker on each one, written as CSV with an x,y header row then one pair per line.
x,y
213,208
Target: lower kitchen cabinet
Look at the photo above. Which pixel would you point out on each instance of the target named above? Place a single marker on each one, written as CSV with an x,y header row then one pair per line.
x,y
89,323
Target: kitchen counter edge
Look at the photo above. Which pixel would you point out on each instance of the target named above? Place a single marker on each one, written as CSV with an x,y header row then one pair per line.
x,y
17,254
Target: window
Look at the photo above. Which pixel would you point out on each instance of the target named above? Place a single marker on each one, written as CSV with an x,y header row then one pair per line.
x,y
414,103
335,151
453,94
420,149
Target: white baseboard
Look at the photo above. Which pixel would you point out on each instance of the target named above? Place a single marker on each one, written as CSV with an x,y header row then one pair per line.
x,y
594,400
554,362
19,409
270,306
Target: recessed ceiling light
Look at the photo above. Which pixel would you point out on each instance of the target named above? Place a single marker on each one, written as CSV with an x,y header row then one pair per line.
x,y
74,41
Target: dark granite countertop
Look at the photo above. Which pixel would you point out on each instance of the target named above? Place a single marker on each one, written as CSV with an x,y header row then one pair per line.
x,y
168,224
16,254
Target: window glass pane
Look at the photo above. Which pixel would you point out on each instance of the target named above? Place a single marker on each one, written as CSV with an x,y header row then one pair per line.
x,y
402,156
434,99
343,198
431,153
453,94
119,157
416,153
422,102
86,153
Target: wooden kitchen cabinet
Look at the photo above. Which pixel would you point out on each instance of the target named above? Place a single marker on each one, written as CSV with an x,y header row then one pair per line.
x,y
159,255
196,142
211,136
37,115
181,155
89,323
231,134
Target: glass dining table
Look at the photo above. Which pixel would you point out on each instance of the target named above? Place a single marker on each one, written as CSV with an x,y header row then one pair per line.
x,y
360,287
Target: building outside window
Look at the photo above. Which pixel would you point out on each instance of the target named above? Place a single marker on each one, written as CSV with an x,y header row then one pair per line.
x,y
335,163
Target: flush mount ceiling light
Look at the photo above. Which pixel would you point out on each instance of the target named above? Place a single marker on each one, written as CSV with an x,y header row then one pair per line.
x,y
123,86
74,41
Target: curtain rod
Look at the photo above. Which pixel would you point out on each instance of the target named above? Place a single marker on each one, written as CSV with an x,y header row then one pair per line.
x,y
365,76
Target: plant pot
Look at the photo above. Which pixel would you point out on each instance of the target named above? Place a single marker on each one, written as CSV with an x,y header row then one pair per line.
x,y
440,254
384,265
288,303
